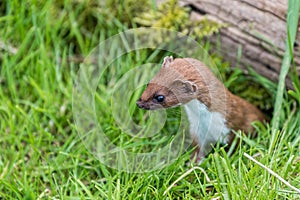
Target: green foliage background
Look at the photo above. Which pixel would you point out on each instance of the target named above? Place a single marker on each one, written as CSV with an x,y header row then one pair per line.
x,y
42,44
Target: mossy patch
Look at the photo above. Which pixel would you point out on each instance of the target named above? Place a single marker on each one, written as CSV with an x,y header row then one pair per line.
x,y
172,16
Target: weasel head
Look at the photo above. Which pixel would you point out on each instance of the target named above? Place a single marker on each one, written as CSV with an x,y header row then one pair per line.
x,y
169,88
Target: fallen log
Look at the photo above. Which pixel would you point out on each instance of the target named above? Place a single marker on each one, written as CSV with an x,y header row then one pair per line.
x,y
256,30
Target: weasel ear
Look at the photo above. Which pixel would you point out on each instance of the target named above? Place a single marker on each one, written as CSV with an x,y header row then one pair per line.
x,y
167,61
185,86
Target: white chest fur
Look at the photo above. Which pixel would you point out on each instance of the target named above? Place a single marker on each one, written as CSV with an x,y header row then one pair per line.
x,y
206,127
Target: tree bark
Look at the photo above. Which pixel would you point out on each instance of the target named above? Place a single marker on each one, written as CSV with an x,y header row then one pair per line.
x,y
256,29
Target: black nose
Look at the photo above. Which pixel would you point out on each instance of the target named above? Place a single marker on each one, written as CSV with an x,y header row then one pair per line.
x,y
139,103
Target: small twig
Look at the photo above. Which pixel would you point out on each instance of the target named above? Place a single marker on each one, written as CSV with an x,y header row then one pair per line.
x,y
184,175
44,194
8,48
273,173
5,169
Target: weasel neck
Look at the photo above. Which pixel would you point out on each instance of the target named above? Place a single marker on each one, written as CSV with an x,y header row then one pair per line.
x,y
206,127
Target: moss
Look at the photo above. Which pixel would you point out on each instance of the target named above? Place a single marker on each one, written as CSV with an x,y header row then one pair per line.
x,y
172,16
168,15
252,91
206,28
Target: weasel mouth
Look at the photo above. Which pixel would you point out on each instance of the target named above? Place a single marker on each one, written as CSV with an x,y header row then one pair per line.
x,y
148,106
142,105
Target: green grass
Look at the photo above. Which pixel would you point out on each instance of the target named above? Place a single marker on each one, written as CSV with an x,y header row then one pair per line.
x,y
41,155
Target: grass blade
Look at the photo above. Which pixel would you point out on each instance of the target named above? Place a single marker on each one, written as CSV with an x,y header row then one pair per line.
x,y
292,24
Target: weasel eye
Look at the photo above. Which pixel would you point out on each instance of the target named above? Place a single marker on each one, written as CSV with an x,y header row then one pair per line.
x,y
159,98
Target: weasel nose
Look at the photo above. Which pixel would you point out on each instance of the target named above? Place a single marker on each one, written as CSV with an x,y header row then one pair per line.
x,y
138,103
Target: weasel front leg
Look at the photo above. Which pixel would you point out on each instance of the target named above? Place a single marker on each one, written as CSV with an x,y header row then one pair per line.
x,y
204,147
197,155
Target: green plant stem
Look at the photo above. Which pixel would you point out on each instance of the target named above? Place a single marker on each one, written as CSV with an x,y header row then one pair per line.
x,y
292,24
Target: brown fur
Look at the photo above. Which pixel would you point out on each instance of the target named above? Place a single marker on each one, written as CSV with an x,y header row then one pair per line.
x,y
182,80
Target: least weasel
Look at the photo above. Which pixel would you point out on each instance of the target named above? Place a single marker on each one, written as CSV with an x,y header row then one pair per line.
x,y
213,112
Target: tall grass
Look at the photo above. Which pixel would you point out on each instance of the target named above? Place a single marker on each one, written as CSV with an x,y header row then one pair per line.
x,y
41,155
292,28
